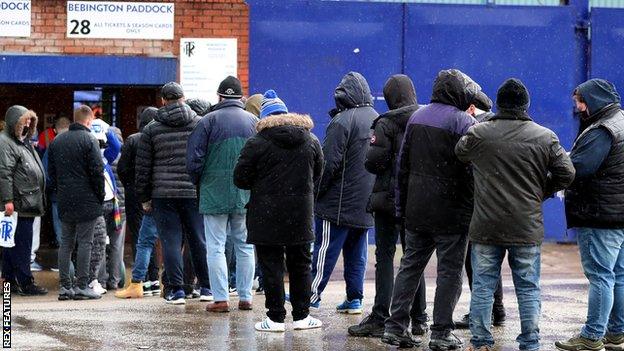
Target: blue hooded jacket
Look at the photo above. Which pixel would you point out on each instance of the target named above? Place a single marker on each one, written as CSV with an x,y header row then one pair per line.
x,y
592,148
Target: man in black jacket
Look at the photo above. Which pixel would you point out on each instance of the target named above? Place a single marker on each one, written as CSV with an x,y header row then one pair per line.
x,y
517,165
280,166
76,174
342,221
434,194
141,228
595,208
388,130
22,183
481,111
162,183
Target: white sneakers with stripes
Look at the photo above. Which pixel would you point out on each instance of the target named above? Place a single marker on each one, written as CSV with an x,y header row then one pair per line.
x,y
267,325
307,323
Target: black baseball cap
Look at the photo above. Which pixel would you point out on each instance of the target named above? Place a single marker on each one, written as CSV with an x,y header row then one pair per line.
x,y
172,91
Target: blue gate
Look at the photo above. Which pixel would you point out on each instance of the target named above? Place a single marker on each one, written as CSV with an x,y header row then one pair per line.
x,y
492,44
607,45
303,48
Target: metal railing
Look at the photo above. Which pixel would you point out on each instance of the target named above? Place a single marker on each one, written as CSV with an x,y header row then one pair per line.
x,y
483,2
607,3
592,3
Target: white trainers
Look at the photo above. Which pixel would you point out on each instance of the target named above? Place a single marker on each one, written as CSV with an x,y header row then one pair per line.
x,y
97,287
267,325
307,323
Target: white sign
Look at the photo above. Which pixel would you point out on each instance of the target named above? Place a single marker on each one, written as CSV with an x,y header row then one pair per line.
x,y
14,18
204,63
120,20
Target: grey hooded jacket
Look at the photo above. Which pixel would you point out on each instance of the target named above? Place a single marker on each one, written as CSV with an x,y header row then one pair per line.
x,y
21,172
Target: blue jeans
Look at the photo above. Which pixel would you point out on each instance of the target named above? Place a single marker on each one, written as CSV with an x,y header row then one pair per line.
x,y
525,268
145,244
56,222
230,258
218,229
602,257
175,218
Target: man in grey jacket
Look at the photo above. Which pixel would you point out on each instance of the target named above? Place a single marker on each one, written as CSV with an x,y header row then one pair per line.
x,y
517,165
21,189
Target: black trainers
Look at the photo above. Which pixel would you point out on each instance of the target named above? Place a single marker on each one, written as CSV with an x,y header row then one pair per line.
x,y
449,342
498,317
498,320
32,289
403,341
419,329
368,327
579,343
15,288
155,288
614,342
463,323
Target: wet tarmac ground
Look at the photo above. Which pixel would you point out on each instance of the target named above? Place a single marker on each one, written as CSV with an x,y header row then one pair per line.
x,y
43,323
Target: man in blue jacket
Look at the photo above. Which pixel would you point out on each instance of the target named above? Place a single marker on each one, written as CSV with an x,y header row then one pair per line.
x,y
595,208
342,221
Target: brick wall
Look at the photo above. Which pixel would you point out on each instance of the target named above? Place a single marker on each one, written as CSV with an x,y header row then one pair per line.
x,y
193,18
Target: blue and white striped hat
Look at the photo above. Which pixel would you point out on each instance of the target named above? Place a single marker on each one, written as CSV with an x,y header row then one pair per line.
x,y
272,105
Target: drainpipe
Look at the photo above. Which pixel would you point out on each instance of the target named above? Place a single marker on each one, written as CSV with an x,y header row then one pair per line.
x,y
582,30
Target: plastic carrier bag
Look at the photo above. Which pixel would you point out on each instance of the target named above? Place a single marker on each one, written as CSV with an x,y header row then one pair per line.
x,y
8,225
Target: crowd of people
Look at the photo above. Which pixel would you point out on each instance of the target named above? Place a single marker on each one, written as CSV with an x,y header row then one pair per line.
x,y
243,191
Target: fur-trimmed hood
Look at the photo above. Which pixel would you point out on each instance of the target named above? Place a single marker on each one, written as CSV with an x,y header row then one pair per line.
x,y
287,119
15,119
287,130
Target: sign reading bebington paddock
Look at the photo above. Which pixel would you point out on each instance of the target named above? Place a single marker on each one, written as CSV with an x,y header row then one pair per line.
x,y
14,18
120,20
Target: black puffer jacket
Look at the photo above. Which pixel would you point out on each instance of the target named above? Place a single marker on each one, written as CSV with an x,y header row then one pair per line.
x,y
22,179
280,166
388,130
127,162
346,185
76,173
161,155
